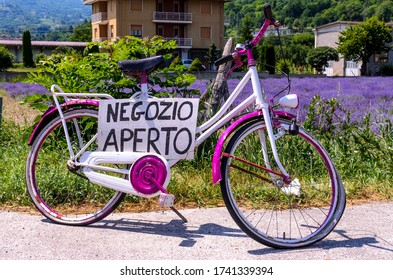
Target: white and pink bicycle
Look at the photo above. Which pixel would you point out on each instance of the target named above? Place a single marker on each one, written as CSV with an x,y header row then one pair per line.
x,y
278,182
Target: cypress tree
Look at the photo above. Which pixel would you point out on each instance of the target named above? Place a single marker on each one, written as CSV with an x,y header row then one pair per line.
x,y
27,50
270,60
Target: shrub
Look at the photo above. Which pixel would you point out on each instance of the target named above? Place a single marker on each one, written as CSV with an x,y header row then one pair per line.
x,y
196,65
39,58
6,58
386,70
99,72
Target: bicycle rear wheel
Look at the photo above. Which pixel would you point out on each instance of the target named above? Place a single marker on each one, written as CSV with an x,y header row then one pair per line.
x,y
281,215
59,191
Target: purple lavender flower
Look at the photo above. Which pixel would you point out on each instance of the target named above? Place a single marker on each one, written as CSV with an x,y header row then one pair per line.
x,y
20,89
359,95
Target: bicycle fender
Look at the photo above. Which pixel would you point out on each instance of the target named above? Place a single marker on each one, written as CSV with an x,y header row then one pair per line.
x,y
216,170
52,112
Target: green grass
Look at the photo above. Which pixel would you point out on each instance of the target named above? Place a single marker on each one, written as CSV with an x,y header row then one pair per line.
x,y
363,158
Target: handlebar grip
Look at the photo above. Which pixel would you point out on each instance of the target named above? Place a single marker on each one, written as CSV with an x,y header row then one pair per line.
x,y
267,10
223,60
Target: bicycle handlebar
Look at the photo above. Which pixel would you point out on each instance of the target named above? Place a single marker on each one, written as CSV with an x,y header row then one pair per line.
x,y
223,59
267,10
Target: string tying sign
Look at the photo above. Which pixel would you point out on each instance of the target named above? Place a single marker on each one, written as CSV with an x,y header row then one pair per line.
x,y
157,125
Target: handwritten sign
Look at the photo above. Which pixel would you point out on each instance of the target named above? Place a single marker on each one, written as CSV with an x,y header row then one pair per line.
x,y
155,125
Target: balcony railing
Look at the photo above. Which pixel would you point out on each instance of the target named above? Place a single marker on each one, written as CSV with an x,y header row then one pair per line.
x,y
181,42
172,17
99,17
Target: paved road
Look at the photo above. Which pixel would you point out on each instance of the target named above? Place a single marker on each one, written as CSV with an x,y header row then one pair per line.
x,y
364,233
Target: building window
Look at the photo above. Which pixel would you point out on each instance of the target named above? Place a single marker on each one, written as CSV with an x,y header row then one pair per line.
x,y
160,30
176,6
111,32
136,5
95,33
136,30
176,31
206,7
381,57
160,6
205,32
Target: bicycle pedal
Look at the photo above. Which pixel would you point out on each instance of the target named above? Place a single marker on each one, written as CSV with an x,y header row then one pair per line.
x,y
166,199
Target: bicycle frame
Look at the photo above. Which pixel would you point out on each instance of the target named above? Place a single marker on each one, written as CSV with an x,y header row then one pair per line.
x,y
90,160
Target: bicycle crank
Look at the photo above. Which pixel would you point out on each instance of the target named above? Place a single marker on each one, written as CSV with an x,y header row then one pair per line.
x,y
150,174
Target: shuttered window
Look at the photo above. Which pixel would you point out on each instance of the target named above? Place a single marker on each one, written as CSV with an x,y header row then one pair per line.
x,y
136,30
206,7
136,5
205,32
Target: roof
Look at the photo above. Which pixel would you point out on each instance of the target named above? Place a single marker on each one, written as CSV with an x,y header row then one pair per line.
x,y
340,22
347,23
44,43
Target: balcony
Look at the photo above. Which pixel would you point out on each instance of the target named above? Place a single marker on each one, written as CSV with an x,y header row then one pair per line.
x,y
182,43
99,18
172,17
89,2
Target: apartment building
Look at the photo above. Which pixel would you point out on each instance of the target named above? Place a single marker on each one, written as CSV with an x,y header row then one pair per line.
x,y
327,35
194,24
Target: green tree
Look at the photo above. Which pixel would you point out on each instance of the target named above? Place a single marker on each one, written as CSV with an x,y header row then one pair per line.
x,y
99,72
212,54
246,29
196,65
6,58
361,41
270,60
320,56
82,33
27,51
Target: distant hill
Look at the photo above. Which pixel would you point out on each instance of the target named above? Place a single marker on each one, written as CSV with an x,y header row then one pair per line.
x,y
307,14
40,16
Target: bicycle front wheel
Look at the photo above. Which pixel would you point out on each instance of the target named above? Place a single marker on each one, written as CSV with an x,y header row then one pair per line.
x,y
274,211
59,190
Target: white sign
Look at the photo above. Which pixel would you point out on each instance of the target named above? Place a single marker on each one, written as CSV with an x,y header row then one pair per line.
x,y
155,125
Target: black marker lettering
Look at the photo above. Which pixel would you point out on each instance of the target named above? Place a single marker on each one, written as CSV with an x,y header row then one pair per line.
x,y
111,140
180,110
151,140
189,141
153,117
112,113
123,137
167,106
136,139
168,137
123,111
136,116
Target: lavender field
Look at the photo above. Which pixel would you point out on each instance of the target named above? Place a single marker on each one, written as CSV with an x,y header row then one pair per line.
x,y
358,95
20,90
362,148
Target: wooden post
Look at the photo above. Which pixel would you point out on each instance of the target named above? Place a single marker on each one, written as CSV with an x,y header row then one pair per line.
x,y
218,91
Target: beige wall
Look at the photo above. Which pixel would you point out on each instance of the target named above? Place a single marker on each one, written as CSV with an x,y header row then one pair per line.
x,y
215,21
121,17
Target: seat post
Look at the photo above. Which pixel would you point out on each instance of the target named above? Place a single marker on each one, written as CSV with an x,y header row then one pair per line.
x,y
144,88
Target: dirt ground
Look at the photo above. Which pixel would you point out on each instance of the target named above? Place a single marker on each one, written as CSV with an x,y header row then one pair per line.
x,y
20,114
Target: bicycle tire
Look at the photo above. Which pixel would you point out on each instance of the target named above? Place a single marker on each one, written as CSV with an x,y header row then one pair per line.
x,y
270,211
63,196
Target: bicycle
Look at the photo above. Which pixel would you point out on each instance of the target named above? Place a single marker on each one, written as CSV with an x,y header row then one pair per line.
x,y
277,181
